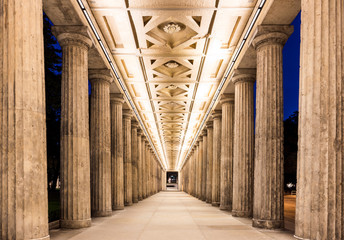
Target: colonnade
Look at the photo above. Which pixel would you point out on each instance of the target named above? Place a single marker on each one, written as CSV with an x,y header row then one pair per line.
x,y
251,172
106,160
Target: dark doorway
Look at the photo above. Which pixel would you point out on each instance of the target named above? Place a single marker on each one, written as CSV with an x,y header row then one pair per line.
x,y
171,180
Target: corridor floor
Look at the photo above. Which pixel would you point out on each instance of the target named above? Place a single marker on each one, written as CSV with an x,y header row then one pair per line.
x,y
170,215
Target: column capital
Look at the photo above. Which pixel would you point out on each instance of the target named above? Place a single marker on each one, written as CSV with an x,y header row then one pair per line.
x,y
100,75
204,132
217,114
272,34
72,35
117,98
244,75
127,113
209,124
134,124
139,132
227,98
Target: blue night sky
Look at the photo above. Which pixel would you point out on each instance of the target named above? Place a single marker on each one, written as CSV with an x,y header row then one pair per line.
x,y
291,65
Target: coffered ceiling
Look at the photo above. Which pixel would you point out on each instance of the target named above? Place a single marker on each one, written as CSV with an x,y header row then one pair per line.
x,y
172,55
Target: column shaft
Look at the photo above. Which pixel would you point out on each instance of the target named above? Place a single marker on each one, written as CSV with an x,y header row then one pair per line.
x,y
128,187
75,145
320,173
209,161
227,137
139,165
23,157
117,176
204,166
100,140
216,159
134,159
268,176
243,146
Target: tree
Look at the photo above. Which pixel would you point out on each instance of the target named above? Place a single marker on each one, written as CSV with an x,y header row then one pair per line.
x,y
53,66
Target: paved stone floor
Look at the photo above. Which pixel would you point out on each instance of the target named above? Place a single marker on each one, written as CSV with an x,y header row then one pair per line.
x,y
170,215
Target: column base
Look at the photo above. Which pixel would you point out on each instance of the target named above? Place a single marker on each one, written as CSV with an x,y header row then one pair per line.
x,y
42,238
140,198
128,204
301,238
106,213
75,223
225,208
208,201
267,224
115,208
243,214
135,201
215,204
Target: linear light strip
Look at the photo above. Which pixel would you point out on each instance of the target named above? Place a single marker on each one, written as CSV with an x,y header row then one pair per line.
x,y
234,58
121,83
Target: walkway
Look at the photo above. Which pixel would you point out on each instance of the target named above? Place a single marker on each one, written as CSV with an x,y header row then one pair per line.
x,y
170,215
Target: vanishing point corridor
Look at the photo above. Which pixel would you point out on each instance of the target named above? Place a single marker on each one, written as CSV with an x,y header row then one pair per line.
x,y
170,215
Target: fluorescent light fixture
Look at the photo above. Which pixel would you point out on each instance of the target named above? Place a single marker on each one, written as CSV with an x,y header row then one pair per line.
x,y
119,79
216,95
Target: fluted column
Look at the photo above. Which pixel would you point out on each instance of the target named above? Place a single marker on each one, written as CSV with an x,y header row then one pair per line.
x,y
134,159
23,154
204,166
209,161
128,188
196,158
320,173
100,142
243,144
139,165
227,137
147,168
75,153
200,167
144,169
216,159
268,176
117,176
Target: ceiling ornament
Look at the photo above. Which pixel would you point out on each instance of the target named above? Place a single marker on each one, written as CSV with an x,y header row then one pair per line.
x,y
171,28
172,64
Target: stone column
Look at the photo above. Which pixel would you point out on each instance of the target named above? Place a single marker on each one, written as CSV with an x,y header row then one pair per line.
x,y
117,176
75,145
204,166
194,170
147,168
163,180
128,188
134,159
23,156
227,137
196,162
320,173
216,159
144,186
268,176
139,165
243,144
200,167
100,142
209,161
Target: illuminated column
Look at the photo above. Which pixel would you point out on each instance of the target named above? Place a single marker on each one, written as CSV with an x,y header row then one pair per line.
x,y
200,166
134,159
216,159
268,176
147,168
100,142
209,161
75,146
128,188
204,166
139,165
23,156
196,158
117,176
243,144
319,198
227,137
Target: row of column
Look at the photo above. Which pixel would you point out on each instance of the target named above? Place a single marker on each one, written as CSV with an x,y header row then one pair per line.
x,y
106,161
231,162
